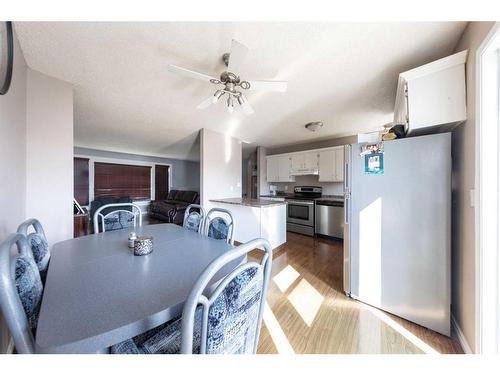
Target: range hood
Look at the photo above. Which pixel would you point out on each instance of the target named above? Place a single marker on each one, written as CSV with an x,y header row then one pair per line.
x,y
304,172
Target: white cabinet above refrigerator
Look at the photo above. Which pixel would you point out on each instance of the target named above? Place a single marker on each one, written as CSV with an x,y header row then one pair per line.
x,y
432,98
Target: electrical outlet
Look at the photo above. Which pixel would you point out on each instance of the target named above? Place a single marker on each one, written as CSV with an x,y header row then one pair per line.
x,y
472,197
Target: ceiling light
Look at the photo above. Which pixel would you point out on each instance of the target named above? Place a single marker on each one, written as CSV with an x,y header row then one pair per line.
x,y
314,126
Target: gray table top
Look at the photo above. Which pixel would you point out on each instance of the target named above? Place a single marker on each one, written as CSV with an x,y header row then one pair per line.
x,y
98,293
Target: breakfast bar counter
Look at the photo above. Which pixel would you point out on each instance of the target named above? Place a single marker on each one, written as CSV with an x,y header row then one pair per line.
x,y
256,218
249,202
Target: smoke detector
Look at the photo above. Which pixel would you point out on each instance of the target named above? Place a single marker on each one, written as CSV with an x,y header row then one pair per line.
x,y
314,126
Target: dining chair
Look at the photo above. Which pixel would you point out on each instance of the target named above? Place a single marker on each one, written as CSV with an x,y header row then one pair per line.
x,y
21,292
225,321
115,216
194,220
37,241
217,227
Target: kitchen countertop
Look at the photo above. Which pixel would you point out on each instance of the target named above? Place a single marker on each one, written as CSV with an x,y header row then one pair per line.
x,y
291,196
248,202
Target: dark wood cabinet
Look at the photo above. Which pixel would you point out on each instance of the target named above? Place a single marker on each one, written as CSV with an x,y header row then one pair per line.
x,y
81,180
80,225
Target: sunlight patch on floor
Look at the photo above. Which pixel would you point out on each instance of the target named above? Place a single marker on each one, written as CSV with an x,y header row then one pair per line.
x,y
306,300
401,330
285,278
276,332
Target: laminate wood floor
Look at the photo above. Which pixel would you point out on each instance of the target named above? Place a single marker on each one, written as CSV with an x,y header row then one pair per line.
x,y
308,312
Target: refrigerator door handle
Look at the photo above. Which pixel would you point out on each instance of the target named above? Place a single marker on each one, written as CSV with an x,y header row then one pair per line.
x,y
346,207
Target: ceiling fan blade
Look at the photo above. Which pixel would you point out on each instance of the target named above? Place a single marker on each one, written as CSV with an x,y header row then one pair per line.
x,y
205,104
236,56
246,107
278,86
188,73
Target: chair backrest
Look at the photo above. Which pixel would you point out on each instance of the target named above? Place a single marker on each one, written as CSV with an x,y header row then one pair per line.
x,y
194,220
216,226
37,241
232,314
20,291
117,219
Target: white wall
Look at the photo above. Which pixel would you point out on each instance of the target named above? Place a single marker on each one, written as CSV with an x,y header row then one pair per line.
x,y
12,159
49,155
220,166
463,233
262,184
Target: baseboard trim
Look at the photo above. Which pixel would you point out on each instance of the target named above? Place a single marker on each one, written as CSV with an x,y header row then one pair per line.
x,y
10,347
460,336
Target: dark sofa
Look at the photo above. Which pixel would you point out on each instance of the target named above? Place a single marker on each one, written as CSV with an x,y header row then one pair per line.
x,y
171,210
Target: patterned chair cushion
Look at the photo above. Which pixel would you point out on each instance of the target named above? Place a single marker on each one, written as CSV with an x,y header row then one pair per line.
x,y
118,220
41,253
233,317
29,287
164,339
40,250
168,339
193,221
218,229
126,347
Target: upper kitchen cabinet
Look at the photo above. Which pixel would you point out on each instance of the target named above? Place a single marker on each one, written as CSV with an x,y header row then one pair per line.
x,y
278,168
304,163
331,165
431,98
284,166
272,169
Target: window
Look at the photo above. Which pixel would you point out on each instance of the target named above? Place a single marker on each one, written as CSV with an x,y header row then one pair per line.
x,y
120,180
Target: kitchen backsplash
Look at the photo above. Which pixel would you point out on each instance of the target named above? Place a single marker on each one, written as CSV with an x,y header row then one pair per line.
x,y
329,188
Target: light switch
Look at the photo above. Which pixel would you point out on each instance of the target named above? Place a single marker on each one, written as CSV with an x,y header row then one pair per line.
x,y
472,197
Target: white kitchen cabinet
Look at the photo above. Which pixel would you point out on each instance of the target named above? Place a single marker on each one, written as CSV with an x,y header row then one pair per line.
x,y
311,160
284,166
298,161
278,169
272,169
304,161
331,165
432,98
327,166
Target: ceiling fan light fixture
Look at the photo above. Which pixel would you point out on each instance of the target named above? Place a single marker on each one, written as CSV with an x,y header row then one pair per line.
x,y
314,126
241,100
230,104
217,96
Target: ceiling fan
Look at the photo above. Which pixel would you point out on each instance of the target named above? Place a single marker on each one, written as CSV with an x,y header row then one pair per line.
x,y
231,81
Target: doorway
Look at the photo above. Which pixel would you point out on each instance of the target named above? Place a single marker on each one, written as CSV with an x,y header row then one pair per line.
x,y
488,183
162,183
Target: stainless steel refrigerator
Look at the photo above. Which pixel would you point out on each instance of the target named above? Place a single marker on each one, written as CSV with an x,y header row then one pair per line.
x,y
397,229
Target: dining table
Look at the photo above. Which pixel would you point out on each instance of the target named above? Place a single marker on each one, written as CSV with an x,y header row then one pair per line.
x,y
98,293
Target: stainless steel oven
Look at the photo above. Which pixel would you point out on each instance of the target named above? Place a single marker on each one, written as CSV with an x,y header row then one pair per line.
x,y
300,210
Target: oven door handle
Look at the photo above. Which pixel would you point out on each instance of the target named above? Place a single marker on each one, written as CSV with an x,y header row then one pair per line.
x,y
301,203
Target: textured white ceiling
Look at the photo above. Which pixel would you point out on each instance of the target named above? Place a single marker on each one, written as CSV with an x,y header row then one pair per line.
x,y
343,74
